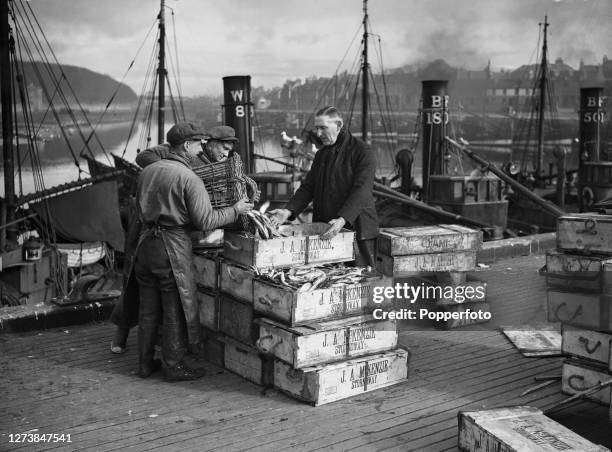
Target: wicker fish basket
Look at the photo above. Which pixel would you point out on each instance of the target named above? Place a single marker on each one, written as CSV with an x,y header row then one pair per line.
x,y
226,183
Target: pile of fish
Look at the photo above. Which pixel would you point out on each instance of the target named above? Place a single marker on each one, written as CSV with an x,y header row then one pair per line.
x,y
307,278
261,225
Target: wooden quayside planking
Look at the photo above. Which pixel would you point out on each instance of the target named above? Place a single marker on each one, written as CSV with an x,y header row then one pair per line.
x,y
69,382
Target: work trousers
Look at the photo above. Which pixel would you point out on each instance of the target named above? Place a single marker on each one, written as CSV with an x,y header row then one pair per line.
x,y
160,302
365,254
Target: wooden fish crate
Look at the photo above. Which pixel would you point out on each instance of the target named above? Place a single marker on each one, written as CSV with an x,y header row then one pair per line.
x,y
579,375
214,349
304,246
208,303
325,342
236,281
577,272
586,310
331,382
592,345
517,429
463,314
403,241
248,362
439,294
236,319
291,307
585,232
413,265
206,270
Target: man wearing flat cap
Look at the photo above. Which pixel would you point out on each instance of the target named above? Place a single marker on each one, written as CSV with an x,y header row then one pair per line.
x,y
220,143
172,201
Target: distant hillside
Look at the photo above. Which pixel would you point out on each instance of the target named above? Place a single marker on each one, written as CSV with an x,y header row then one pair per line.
x,y
90,87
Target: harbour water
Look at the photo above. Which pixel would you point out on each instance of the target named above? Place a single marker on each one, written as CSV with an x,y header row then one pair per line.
x,y
59,167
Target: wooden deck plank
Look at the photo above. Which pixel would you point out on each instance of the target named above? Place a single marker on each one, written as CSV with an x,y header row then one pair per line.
x,y
319,408
412,409
402,387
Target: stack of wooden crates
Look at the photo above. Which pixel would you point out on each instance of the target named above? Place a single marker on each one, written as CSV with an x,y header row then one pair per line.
x,y
435,256
579,295
317,345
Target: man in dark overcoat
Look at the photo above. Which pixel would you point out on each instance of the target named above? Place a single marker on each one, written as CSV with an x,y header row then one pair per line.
x,y
339,184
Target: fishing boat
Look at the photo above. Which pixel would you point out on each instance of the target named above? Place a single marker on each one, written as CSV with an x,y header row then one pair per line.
x,y
49,237
364,97
570,171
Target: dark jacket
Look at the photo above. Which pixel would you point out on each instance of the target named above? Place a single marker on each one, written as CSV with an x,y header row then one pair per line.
x,y
339,184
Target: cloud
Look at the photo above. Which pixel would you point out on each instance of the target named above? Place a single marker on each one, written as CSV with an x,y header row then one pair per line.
x,y
273,40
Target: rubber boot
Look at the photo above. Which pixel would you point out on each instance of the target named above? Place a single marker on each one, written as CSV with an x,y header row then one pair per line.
x,y
174,339
119,343
147,336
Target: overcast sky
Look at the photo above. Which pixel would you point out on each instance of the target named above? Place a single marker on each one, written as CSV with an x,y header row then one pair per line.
x,y
275,40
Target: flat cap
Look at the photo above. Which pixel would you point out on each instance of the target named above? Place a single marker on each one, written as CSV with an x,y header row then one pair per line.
x,y
222,133
183,131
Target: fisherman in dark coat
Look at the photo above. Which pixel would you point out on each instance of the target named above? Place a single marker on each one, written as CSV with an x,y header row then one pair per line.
x,y
339,184
172,201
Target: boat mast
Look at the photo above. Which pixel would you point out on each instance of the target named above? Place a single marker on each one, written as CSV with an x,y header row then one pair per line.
x,y
542,104
7,122
161,73
365,68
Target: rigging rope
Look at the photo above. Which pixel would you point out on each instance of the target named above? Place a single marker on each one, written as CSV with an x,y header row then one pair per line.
x,y
141,98
334,78
35,67
66,103
116,91
179,88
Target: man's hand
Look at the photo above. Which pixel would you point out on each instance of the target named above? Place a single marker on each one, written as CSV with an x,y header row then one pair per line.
x,y
336,225
279,216
243,206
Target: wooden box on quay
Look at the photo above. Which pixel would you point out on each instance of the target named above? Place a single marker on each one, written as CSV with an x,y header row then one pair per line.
x,y
236,319
402,241
517,429
303,245
291,307
330,382
578,272
587,344
585,233
236,281
325,342
241,359
206,270
208,304
417,264
579,375
585,310
213,347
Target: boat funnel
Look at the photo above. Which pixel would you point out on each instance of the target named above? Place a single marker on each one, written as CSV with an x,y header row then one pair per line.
x,y
595,166
237,113
434,118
